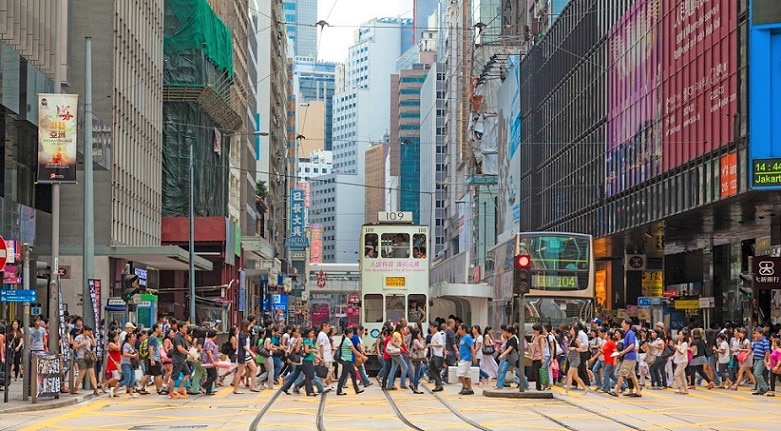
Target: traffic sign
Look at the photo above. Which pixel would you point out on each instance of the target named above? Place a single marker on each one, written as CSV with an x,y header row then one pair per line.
x,y
35,311
3,253
18,295
643,301
767,272
635,262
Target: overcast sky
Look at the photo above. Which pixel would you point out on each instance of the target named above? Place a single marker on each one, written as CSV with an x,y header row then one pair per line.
x,y
345,16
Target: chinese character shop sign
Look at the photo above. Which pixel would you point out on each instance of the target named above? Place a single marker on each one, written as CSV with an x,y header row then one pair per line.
x,y
767,272
297,239
57,133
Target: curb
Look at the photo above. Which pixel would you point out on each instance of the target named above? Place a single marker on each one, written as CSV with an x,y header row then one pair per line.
x,y
29,407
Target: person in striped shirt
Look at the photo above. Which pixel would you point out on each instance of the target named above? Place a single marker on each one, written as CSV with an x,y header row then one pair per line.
x,y
761,350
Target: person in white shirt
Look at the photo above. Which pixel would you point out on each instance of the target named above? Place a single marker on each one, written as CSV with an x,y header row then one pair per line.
x,y
681,360
325,350
722,349
584,354
437,349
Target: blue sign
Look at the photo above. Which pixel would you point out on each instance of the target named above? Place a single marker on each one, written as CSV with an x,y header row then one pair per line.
x,y
643,301
277,301
297,239
18,295
764,99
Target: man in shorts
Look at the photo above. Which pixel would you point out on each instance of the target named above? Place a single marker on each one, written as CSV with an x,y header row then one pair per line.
x,y
629,354
179,362
466,356
154,367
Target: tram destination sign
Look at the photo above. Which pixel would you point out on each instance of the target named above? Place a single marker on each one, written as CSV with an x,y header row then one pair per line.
x,y
766,172
767,272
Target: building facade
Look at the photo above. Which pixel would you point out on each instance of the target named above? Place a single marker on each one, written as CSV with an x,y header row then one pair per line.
x,y
300,17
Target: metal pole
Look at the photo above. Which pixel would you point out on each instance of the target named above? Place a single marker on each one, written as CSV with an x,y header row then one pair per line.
x,y
26,323
54,309
522,342
753,294
192,238
88,258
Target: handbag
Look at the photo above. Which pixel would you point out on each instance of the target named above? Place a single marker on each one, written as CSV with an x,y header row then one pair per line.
x,y
650,359
392,350
90,358
321,371
668,351
544,377
489,350
742,356
513,358
417,354
262,350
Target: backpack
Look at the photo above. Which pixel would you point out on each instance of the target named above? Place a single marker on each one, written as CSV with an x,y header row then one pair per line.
x,y
143,349
338,354
227,348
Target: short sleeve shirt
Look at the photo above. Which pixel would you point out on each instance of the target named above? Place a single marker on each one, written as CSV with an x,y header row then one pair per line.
x,y
81,350
347,354
154,344
465,348
311,356
629,340
127,348
36,338
325,342
209,345
437,338
179,341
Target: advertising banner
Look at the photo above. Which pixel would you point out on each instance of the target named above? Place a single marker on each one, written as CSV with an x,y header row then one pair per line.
x,y
94,294
316,250
509,144
57,137
699,68
729,175
634,142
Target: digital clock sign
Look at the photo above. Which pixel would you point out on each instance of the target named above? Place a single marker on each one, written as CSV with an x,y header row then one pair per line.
x,y
766,172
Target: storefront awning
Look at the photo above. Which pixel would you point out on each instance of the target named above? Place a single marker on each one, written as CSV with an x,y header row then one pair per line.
x,y
164,257
462,290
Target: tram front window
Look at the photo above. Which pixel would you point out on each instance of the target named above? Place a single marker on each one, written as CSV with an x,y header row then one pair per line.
x,y
395,245
372,308
370,245
394,308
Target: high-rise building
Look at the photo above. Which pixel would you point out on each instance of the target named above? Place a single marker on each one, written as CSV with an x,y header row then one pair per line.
x,y
300,18
314,81
424,16
432,153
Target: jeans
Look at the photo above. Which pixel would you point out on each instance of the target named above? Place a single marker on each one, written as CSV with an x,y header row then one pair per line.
x,y
435,370
364,377
504,366
658,376
483,374
759,374
417,371
278,364
128,376
211,376
348,370
396,362
268,375
315,380
598,365
608,378
383,368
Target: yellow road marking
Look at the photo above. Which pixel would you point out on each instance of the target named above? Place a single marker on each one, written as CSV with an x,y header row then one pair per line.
x,y
75,412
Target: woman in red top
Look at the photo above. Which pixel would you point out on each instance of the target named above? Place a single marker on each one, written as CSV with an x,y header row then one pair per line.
x,y
608,379
112,375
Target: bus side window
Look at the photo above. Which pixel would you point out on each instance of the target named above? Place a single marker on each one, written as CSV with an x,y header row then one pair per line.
x,y
372,308
394,307
419,246
416,310
370,242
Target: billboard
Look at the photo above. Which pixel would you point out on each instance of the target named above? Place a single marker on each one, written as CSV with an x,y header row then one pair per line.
x,y
57,137
316,251
509,144
297,239
633,144
764,98
699,72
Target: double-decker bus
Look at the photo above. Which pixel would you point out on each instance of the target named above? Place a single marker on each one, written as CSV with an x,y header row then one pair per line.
x,y
561,273
394,268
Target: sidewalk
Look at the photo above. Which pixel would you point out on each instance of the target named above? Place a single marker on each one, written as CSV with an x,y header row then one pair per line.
x,y
16,405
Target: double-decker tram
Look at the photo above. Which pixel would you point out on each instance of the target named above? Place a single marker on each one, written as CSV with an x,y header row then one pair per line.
x,y
561,277
394,268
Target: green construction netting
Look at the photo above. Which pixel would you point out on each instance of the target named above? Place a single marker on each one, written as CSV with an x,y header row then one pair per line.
x,y
185,123
192,26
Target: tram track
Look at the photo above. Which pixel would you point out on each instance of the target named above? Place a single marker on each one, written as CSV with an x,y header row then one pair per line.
x,y
455,411
253,426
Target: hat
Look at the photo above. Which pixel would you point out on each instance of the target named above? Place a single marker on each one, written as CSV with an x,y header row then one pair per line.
x,y
660,324
130,325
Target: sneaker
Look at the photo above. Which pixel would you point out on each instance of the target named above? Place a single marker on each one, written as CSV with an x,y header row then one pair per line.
x,y
469,392
174,394
111,392
368,384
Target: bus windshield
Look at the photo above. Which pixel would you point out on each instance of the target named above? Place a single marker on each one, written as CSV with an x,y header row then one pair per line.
x,y
559,262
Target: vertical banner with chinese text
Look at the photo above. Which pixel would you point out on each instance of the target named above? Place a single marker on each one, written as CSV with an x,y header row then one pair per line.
x,y
94,294
57,137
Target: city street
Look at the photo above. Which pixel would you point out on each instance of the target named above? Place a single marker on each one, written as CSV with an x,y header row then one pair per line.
x,y
657,410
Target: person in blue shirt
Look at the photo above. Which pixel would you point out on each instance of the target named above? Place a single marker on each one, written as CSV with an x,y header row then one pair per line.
x,y
629,361
466,357
761,350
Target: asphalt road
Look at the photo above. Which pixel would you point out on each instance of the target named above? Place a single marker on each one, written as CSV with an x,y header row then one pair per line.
x,y
401,410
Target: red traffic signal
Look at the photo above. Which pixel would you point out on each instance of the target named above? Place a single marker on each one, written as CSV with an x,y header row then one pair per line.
x,y
522,261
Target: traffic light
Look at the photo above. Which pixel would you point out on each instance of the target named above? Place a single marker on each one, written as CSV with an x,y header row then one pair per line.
x,y
521,265
746,288
130,286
